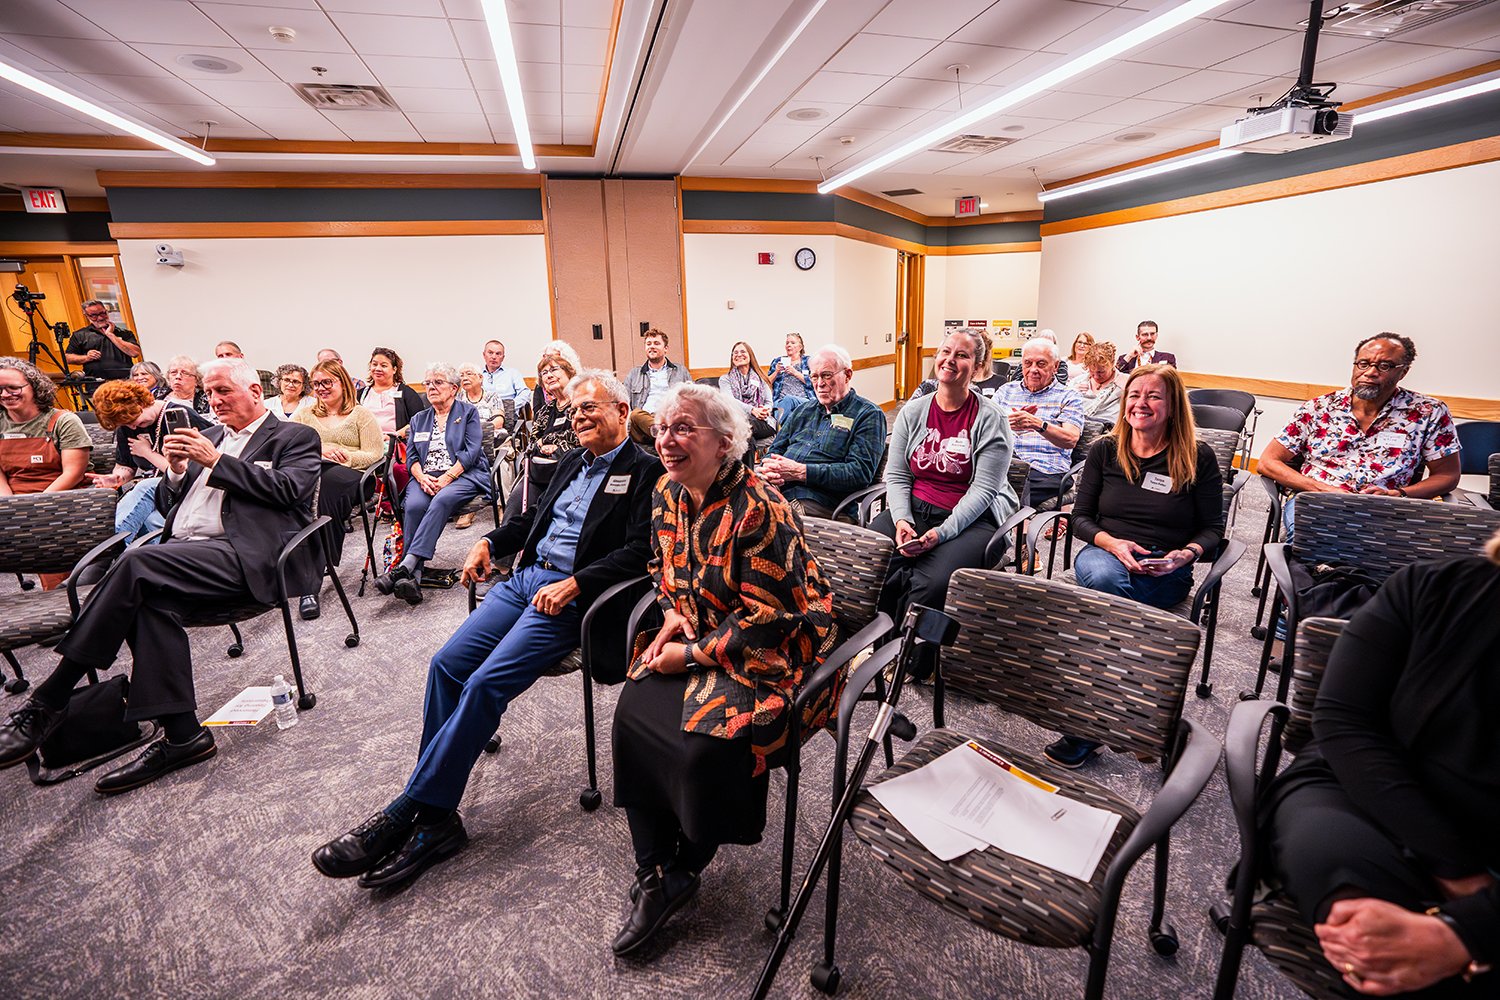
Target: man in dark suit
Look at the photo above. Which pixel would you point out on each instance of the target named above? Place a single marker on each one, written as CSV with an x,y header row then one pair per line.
x,y
589,531
1145,352
233,496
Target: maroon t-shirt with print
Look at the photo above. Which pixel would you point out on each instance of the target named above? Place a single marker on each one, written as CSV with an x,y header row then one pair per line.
x,y
943,463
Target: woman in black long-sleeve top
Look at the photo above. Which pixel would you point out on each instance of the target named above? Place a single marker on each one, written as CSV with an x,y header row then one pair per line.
x,y
1386,833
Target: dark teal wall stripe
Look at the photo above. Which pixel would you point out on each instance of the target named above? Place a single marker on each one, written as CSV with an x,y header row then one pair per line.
x,y
1446,125
324,204
757,206
75,227
774,206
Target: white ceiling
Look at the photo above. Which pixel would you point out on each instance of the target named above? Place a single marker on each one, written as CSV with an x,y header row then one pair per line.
x,y
679,96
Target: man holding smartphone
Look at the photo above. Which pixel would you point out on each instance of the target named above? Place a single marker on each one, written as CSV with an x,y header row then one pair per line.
x,y
232,496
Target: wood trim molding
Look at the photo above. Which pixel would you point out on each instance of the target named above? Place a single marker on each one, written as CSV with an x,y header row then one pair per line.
x,y
778,228
883,205
52,140
982,248
1409,164
749,184
260,230
780,186
41,249
79,203
609,62
276,179
1467,407
985,220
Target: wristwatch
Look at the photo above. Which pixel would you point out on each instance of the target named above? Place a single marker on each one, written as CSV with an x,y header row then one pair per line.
x,y
688,657
1044,427
1475,967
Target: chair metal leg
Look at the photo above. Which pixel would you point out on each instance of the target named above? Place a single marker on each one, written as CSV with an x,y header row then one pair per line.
x,y
890,759
25,583
237,647
1162,934
352,639
589,798
1210,623
305,698
20,683
825,974
1265,649
777,914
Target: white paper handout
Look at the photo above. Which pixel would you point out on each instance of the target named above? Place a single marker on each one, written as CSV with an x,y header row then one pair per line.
x,y
971,797
244,709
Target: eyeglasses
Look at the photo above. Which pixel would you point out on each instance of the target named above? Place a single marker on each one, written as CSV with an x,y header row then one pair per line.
x,y
12,390
552,369
428,383
678,430
1364,365
824,376
319,383
96,315
590,409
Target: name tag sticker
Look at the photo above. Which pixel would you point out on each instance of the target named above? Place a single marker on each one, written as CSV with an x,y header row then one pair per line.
x,y
1157,483
617,484
13,435
424,436
956,445
264,465
36,460
842,422
1390,439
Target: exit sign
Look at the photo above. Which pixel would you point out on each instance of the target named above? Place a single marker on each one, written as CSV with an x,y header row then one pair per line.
x,y
44,200
966,207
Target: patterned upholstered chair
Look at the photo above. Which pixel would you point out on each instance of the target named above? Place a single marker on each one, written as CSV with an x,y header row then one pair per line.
x,y
102,447
1273,923
50,533
1379,534
1062,658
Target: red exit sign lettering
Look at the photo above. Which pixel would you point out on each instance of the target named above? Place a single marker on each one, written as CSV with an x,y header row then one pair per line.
x,y
966,206
48,200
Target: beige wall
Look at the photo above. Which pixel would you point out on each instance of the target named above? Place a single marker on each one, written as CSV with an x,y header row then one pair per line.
x,y
865,312
986,286
431,298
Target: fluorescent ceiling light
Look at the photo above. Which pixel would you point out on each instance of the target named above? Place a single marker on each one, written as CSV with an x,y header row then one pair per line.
x,y
1208,156
1158,22
510,76
68,98
1426,101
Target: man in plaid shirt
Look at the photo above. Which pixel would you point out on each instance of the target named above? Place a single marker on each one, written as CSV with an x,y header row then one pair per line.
x,y
1046,417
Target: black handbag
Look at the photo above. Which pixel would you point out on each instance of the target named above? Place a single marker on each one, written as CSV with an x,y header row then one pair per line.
x,y
95,731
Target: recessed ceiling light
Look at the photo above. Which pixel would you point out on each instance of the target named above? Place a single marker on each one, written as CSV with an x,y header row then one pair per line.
x,y
1134,136
807,114
1014,128
208,64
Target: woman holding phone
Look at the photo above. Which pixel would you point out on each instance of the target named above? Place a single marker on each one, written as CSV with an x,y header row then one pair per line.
x,y
1150,504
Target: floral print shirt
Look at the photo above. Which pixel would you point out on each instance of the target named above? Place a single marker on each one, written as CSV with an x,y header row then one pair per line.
x,y
1410,429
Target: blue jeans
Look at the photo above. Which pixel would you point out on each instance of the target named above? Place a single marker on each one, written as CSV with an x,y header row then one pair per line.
x,y
1099,569
136,512
497,653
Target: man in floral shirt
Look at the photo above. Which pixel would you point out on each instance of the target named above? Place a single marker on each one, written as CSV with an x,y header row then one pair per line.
x,y
1370,437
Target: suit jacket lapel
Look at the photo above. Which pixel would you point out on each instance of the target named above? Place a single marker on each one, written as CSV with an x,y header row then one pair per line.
x,y
623,465
260,439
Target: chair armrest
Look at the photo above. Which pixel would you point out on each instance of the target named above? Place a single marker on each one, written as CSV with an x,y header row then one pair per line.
x,y
1241,749
316,526
88,559
856,499
1241,480
1276,562
845,652
146,539
860,680
633,623
1181,789
994,549
609,594
1039,524
1232,550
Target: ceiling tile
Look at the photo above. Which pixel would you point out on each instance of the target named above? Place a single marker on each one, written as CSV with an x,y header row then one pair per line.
x,y
1206,43
537,43
250,26
582,79
1060,104
884,55
47,17
251,94
471,136
165,56
473,10
1208,116
374,121
578,130
379,135
841,88
189,121
297,67
580,105
386,34
170,22
1284,57
88,55
414,8
26,60
31,115
139,89
925,19
447,121
501,125
293,123
1439,63
1027,26
538,76
1474,29
588,13
1202,86
1077,131
1270,13
543,128
538,106
1085,35
521,11
473,39
920,94
423,100
760,155
983,62
588,46
779,130
1132,111
1125,79
414,71
290,4
871,116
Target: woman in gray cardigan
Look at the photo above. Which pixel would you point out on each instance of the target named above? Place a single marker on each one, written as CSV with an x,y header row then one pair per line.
x,y
946,486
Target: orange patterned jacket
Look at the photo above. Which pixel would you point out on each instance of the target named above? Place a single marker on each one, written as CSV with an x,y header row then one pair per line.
x,y
741,574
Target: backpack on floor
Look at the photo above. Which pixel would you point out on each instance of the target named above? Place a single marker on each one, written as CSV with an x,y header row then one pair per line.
x,y
95,731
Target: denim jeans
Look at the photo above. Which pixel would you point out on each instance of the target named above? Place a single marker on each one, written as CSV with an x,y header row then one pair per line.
x,y
136,512
1099,569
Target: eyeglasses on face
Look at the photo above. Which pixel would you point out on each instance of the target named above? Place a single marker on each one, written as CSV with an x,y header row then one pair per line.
x,y
95,314
681,429
590,409
319,383
823,376
1365,364
12,390
427,383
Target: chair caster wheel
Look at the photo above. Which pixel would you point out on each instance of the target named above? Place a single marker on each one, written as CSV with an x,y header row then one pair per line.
x,y
17,686
1249,696
1258,633
235,650
1218,915
1164,941
306,701
826,977
351,640
775,917
1255,591
28,584
493,746
590,798
1205,690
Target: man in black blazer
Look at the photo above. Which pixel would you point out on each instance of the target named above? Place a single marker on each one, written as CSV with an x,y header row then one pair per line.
x,y
589,531
233,496
1145,352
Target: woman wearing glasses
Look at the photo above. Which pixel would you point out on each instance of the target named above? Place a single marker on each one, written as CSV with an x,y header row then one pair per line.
x,y
185,388
703,717
292,382
149,376
445,455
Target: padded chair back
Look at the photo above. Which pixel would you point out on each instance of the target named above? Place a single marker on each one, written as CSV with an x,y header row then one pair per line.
x,y
1019,470
1223,418
1092,431
853,560
102,446
50,532
1480,439
1224,444
1381,534
1315,639
1068,659
712,380
1236,399
1495,480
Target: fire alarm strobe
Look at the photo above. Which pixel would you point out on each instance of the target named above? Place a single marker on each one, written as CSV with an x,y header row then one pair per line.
x,y
765,258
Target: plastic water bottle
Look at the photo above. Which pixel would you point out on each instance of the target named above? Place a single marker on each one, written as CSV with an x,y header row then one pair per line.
x,y
281,701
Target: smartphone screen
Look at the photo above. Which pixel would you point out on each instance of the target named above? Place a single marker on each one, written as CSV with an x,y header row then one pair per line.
x,y
176,419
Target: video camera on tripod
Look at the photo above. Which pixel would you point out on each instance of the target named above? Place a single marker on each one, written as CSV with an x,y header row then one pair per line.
x,y
69,379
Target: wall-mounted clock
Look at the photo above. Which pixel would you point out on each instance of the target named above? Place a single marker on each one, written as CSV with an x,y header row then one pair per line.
x,y
806,259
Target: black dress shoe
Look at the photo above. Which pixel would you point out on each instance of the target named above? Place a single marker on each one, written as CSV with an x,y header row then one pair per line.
x,y
362,848
26,729
426,846
309,608
649,911
409,589
158,759
386,582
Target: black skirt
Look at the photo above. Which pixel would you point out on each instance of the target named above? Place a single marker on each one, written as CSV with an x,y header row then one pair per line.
x,y
704,781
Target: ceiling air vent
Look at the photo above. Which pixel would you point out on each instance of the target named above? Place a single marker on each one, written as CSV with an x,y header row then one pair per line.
x,y
972,144
903,192
345,97
1388,18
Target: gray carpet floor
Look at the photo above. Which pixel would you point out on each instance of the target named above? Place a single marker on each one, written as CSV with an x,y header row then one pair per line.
x,y
200,886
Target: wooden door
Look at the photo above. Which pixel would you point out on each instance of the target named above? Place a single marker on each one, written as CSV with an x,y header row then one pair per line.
x,y
911,271
56,278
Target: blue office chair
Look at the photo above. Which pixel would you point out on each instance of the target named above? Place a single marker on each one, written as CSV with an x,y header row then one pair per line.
x,y
1480,439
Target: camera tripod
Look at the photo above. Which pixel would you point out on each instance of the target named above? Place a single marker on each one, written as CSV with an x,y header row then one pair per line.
x,y
70,380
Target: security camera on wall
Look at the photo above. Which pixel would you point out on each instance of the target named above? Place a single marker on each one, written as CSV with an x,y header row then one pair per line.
x,y
166,255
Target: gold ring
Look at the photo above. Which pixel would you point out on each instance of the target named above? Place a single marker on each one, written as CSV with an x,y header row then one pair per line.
x,y
1349,968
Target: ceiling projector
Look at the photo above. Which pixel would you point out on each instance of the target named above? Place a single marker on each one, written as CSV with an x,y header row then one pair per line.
x,y
1278,129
